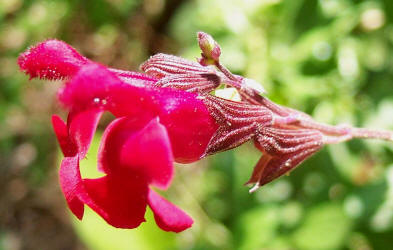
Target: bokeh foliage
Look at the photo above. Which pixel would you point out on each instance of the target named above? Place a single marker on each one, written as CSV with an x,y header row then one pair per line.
x,y
330,58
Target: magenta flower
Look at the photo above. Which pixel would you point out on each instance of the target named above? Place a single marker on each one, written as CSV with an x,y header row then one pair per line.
x,y
149,121
165,123
166,115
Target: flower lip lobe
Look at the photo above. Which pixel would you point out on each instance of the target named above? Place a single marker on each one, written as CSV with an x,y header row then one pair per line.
x,y
71,184
168,216
128,145
120,199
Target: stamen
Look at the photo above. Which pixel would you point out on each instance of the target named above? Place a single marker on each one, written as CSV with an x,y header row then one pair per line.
x,y
254,188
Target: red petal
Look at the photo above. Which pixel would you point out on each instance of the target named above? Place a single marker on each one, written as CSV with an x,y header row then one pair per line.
x,y
168,217
139,146
82,126
71,184
149,151
108,151
61,131
113,139
119,200
96,87
52,60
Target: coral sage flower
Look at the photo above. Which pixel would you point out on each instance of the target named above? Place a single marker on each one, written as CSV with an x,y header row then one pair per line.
x,y
167,114
153,127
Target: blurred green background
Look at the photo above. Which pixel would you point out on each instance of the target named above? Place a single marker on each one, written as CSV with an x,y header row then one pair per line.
x,y
330,58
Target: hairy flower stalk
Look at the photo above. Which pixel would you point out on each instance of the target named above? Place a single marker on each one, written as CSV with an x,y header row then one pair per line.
x,y
171,113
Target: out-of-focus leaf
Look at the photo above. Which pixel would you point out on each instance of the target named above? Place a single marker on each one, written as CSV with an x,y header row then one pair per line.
x,y
257,228
325,226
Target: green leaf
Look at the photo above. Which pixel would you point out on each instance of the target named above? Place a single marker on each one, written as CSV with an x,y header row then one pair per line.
x,y
257,227
325,227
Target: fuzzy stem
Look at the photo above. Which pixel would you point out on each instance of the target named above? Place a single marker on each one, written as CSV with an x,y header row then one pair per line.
x,y
226,72
362,133
371,133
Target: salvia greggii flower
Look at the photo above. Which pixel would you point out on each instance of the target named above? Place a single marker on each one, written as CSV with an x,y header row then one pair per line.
x,y
166,114
138,148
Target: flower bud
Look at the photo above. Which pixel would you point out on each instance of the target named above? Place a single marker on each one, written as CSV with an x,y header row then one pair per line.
x,y
205,61
211,51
